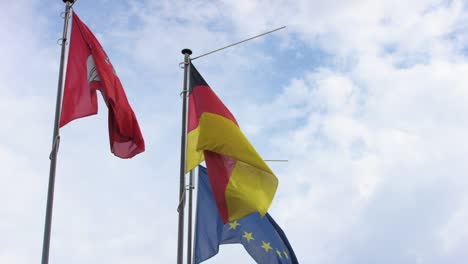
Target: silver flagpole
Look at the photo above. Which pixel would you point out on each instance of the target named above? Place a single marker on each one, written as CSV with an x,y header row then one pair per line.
x,y
55,140
183,148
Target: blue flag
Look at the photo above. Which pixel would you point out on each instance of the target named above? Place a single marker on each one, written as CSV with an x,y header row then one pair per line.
x,y
261,237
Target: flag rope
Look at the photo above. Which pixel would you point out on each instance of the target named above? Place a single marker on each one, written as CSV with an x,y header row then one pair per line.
x,y
190,188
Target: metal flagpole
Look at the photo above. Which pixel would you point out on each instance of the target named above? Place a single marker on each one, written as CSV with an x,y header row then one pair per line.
x,y
189,188
55,140
183,148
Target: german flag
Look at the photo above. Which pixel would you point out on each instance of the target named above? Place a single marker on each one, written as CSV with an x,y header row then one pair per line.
x,y
242,182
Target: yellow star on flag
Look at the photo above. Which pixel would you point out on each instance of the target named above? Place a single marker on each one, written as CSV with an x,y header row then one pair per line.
x,y
248,236
233,225
266,246
286,254
279,253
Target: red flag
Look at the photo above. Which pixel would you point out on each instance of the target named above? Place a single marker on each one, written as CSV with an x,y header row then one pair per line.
x,y
88,70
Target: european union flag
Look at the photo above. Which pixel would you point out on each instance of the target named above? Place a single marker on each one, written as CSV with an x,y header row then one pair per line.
x,y
261,237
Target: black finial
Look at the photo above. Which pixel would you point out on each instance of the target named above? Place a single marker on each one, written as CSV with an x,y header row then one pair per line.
x,y
69,1
187,51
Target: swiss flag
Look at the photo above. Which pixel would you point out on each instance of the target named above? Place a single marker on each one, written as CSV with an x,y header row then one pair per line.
x,y
88,70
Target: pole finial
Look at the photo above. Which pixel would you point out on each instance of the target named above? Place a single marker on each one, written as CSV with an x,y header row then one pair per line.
x,y
187,51
69,1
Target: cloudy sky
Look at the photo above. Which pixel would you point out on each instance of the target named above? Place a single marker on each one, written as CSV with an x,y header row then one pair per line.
x,y
368,100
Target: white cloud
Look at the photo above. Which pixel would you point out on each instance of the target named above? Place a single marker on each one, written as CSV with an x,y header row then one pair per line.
x,y
374,134
455,233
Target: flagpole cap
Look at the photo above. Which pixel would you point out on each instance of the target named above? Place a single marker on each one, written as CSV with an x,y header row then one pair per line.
x,y
187,51
69,1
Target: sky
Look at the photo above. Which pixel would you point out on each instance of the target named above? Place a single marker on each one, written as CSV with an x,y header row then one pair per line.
x,y
368,100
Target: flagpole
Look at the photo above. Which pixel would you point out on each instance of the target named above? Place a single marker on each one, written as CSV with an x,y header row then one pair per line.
x,y
183,148
189,218
55,140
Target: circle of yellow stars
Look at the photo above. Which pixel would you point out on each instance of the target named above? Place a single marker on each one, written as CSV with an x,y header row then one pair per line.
x,y
265,245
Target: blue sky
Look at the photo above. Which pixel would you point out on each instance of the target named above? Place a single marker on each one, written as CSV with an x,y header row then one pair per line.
x,y
368,101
